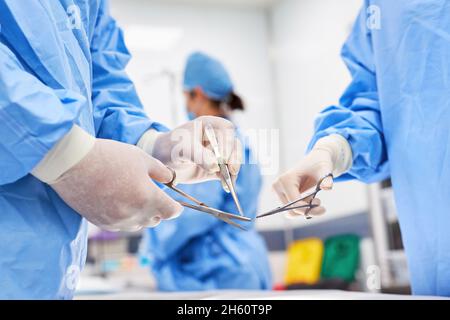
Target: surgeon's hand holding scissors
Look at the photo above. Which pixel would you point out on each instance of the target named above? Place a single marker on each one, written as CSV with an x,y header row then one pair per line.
x,y
330,157
187,150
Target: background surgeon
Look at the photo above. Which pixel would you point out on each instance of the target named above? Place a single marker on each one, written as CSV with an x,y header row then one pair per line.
x,y
197,251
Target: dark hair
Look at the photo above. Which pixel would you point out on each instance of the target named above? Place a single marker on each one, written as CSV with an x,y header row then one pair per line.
x,y
235,102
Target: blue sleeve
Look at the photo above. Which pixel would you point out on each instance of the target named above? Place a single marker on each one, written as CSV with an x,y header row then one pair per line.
x,y
357,117
118,112
33,117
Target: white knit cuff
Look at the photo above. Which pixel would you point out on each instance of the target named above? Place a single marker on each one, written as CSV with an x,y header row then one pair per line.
x,y
147,141
70,150
340,151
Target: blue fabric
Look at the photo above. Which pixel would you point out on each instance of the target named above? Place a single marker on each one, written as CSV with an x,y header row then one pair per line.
x,y
62,63
191,116
396,115
209,74
199,252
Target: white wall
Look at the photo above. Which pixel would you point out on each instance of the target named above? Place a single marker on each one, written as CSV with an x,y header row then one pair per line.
x,y
238,37
307,37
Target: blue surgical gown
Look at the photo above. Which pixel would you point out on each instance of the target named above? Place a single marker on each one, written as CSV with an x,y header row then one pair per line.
x,y
61,63
199,252
396,116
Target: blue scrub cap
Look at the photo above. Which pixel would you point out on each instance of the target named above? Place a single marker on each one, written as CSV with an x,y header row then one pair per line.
x,y
209,74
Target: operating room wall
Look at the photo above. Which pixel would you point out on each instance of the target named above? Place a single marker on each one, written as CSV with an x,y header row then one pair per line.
x,y
306,39
238,36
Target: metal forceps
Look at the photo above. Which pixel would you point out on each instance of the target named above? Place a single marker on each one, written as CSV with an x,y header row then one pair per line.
x,y
291,205
202,207
223,166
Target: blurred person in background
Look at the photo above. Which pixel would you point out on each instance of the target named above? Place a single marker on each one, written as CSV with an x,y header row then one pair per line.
x,y
198,251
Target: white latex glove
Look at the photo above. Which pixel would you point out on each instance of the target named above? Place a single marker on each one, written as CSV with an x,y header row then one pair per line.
x,y
111,186
331,154
187,150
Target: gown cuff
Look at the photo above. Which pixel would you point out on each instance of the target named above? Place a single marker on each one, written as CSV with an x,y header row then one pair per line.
x,y
147,141
340,151
69,151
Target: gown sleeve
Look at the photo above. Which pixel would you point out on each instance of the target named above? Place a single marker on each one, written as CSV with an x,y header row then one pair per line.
x,y
357,117
118,112
33,117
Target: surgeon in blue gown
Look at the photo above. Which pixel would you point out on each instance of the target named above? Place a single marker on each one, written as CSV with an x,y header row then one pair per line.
x,y
198,251
75,143
393,121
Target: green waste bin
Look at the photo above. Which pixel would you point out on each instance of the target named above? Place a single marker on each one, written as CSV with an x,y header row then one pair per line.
x,y
340,258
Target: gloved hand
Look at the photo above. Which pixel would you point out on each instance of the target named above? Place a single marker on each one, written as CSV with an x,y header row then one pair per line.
x,y
187,150
111,185
331,154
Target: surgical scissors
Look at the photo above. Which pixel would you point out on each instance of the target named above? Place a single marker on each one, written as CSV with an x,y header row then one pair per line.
x,y
289,206
202,207
223,166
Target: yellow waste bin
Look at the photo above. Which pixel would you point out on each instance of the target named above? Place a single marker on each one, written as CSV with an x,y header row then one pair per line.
x,y
304,261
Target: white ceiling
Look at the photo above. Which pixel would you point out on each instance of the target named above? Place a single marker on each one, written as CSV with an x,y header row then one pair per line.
x,y
241,3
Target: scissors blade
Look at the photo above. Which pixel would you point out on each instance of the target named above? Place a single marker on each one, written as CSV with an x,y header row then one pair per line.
x,y
229,182
224,170
283,209
288,206
234,224
185,195
224,216
217,213
302,198
171,185
210,134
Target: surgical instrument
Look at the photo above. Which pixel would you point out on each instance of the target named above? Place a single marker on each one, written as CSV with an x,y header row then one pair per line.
x,y
223,166
202,207
290,206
